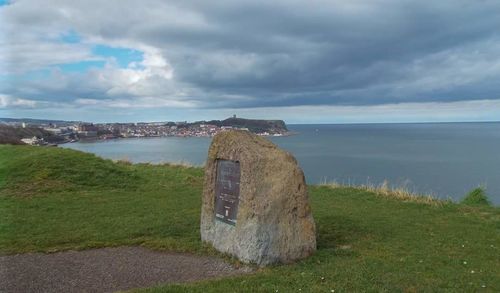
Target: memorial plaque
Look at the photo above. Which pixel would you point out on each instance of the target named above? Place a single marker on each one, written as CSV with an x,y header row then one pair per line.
x,y
255,204
227,191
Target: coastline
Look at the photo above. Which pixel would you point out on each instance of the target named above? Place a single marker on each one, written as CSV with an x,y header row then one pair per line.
x,y
96,139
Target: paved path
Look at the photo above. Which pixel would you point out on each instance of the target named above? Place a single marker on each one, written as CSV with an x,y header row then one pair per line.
x,y
106,270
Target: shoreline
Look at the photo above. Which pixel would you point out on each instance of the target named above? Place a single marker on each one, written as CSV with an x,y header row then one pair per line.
x,y
97,139
382,189
408,158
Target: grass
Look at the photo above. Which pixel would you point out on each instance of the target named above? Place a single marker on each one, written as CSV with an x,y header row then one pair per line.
x,y
395,192
367,241
56,199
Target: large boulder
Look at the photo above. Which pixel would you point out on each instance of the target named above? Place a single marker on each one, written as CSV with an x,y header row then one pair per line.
x,y
255,201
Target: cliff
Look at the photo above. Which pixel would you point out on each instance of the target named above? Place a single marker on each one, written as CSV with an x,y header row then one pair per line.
x,y
254,125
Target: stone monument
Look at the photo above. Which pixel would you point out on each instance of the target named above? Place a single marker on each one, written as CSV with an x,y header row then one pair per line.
x,y
255,201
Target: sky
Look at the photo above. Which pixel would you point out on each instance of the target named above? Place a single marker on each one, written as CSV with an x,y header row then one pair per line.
x,y
335,61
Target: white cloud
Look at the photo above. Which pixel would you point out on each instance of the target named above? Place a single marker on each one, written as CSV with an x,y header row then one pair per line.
x,y
478,110
453,68
13,102
127,111
18,58
135,103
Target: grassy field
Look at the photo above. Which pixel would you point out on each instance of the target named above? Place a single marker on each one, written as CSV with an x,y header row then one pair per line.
x,y
57,199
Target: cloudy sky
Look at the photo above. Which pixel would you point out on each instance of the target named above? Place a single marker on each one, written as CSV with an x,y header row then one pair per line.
x,y
329,61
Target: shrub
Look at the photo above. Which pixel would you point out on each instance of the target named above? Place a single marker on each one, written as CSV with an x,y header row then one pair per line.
x,y
476,196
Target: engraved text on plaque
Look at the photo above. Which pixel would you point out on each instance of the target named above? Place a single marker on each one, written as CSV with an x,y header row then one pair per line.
x,y
227,191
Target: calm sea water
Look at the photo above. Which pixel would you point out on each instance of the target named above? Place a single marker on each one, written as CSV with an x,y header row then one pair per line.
x,y
446,160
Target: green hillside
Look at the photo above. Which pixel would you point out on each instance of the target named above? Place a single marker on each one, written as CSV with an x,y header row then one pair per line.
x,y
58,199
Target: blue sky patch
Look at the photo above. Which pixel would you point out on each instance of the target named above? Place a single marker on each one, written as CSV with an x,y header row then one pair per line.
x,y
4,2
28,76
123,56
70,37
82,65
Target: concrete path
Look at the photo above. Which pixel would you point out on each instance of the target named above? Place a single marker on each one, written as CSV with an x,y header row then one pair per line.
x,y
106,270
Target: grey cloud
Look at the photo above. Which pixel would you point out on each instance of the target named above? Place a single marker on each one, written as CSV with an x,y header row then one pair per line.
x,y
285,53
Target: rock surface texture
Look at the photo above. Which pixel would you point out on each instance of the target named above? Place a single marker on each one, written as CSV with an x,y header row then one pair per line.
x,y
274,223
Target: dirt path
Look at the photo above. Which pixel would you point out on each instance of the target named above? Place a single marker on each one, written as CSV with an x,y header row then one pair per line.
x,y
106,270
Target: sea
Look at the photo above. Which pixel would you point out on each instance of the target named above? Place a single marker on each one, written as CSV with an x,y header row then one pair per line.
x,y
445,160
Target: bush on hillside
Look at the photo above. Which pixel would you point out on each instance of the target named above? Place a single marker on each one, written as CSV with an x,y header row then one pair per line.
x,y
476,196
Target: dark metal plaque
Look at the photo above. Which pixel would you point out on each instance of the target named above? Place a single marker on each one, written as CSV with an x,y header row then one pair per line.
x,y
227,191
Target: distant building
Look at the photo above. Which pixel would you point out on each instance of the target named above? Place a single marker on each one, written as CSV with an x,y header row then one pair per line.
x,y
33,141
87,130
87,127
54,130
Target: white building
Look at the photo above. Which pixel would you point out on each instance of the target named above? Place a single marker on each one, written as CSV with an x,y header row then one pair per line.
x,y
33,141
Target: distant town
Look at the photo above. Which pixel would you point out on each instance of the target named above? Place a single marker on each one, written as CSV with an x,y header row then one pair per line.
x,y
53,132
